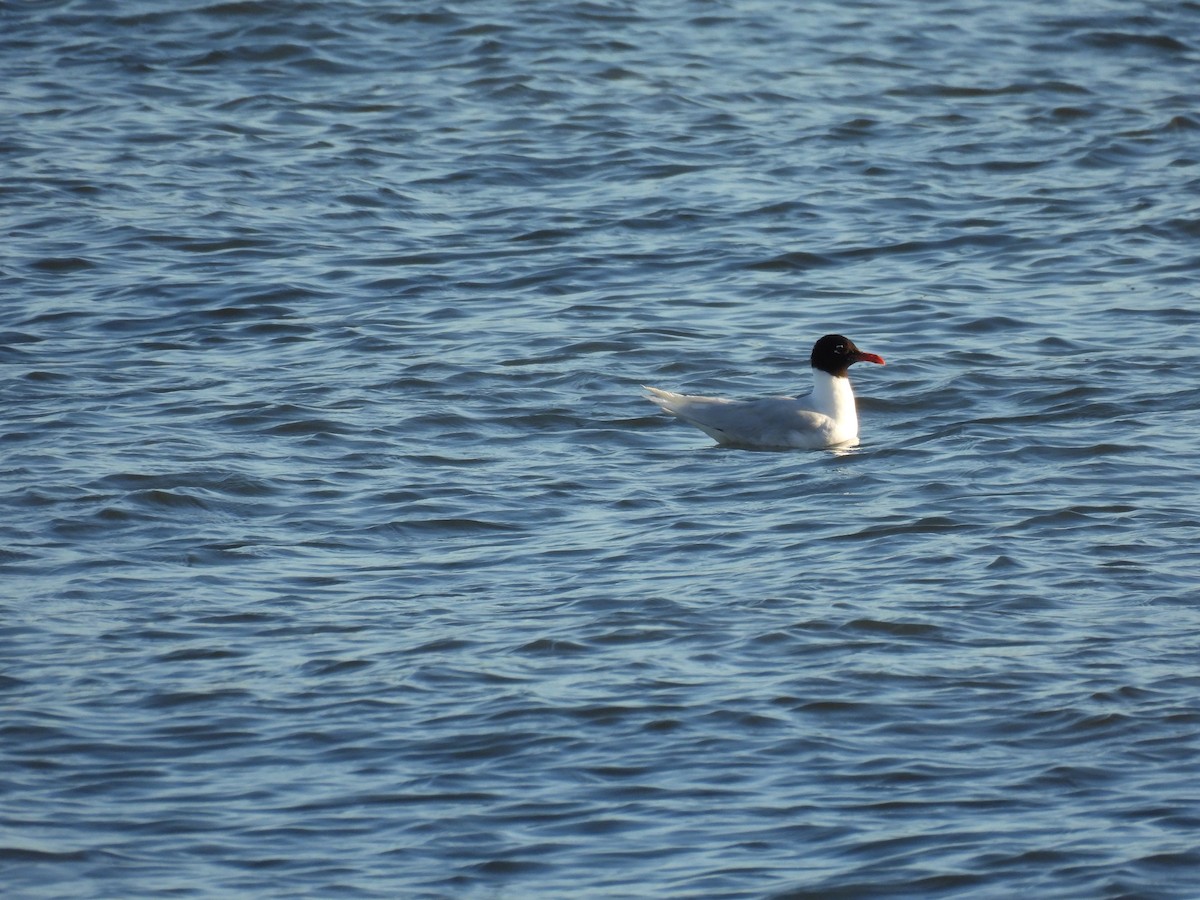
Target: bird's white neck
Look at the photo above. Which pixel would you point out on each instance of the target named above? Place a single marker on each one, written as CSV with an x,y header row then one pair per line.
x,y
834,397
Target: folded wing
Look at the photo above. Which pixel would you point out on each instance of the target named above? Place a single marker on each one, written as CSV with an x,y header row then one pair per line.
x,y
771,423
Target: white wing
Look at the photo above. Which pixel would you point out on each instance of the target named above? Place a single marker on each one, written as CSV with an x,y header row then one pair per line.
x,y
772,423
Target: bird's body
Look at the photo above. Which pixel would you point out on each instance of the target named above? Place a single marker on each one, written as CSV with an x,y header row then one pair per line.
x,y
827,417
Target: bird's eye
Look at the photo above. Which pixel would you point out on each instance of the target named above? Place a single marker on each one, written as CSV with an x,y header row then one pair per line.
x,y
839,349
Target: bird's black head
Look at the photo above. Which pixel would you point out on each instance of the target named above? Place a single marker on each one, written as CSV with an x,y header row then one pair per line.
x,y
835,354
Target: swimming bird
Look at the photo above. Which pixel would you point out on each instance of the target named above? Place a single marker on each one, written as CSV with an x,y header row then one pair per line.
x,y
825,418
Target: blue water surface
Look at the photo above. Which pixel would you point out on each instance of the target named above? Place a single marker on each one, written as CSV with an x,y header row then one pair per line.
x,y
342,558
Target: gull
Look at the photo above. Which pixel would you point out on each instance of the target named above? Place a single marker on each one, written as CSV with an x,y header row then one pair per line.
x,y
824,418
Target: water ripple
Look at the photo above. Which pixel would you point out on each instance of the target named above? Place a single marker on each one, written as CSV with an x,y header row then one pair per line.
x,y
343,556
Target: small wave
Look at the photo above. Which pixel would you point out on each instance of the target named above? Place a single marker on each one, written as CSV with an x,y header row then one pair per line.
x,y
55,264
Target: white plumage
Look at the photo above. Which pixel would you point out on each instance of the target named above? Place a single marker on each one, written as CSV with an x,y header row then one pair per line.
x,y
827,417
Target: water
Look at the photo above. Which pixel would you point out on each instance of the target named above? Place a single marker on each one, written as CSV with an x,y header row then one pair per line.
x,y
342,558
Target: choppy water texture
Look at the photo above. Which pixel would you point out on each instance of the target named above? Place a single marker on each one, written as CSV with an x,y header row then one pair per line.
x,y
342,558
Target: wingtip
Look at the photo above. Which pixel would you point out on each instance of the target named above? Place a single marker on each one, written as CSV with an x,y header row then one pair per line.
x,y
658,397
